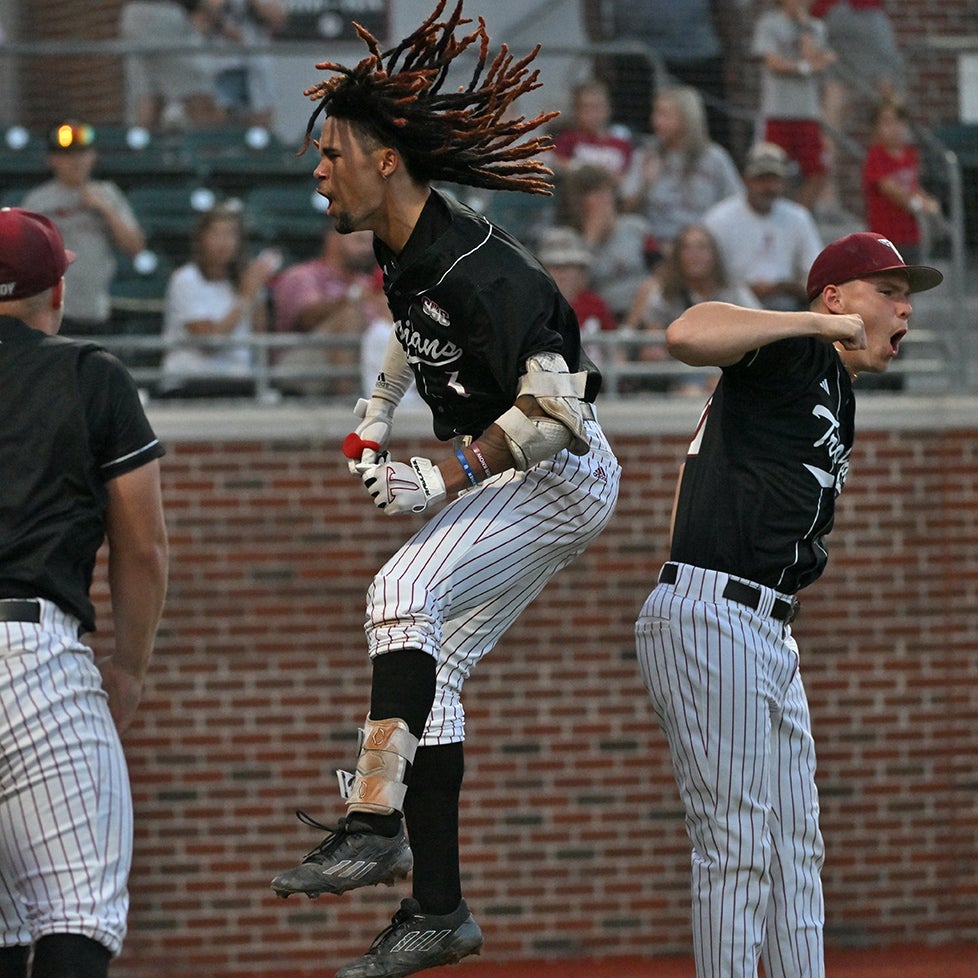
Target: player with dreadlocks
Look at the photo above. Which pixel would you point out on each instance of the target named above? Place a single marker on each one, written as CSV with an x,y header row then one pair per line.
x,y
495,351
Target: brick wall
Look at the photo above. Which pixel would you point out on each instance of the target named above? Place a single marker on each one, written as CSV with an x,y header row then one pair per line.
x,y
573,842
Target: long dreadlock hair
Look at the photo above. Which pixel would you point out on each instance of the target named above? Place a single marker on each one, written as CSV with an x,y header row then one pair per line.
x,y
461,136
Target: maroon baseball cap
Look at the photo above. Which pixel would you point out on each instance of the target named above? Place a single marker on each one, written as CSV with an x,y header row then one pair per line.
x,y
33,256
861,254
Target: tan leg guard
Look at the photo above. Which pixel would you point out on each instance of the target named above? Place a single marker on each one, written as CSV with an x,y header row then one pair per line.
x,y
378,786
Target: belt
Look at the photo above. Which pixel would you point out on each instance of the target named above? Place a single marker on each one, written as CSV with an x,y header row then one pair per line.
x,y
20,609
746,594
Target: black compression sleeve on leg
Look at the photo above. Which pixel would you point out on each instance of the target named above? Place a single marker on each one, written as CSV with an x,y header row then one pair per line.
x,y
13,961
431,814
70,956
403,686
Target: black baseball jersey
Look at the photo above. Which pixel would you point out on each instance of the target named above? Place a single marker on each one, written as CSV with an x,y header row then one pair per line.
x,y
470,304
72,420
770,455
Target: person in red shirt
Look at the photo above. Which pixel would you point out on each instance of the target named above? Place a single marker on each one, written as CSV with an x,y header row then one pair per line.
x,y
590,137
895,202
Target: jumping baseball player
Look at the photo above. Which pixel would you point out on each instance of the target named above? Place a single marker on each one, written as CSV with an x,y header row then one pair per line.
x,y
79,463
495,351
755,500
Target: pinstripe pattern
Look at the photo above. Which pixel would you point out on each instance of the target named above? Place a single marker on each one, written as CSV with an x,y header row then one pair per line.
x,y
65,804
455,587
726,688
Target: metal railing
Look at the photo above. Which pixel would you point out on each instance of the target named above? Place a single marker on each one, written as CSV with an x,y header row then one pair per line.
x,y
617,353
946,358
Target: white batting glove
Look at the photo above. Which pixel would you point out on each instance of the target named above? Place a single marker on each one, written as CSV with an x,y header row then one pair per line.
x,y
367,445
402,487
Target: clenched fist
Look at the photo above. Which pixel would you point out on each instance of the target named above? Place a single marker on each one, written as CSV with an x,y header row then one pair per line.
x,y
402,487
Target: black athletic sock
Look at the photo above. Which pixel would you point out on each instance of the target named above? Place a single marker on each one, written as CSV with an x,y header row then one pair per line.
x,y
13,961
431,813
403,686
70,956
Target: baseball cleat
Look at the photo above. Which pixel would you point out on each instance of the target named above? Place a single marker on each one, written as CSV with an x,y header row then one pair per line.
x,y
351,856
415,941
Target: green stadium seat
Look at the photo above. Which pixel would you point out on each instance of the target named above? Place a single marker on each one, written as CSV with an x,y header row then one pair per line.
x,y
138,291
132,156
23,160
170,211
231,156
290,214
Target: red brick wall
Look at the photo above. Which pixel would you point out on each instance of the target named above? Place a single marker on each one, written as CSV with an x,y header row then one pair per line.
x,y
573,842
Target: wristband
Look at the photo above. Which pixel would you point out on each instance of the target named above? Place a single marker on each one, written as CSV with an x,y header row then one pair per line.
x,y
466,467
481,459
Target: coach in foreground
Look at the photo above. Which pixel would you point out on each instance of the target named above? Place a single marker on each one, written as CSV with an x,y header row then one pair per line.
x,y
79,464
755,500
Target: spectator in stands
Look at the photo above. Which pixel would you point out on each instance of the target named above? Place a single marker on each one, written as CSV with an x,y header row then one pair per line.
x,y
623,247
682,36
590,137
94,218
217,294
244,80
869,67
692,272
166,88
334,294
766,240
794,52
680,172
568,259
895,202
862,36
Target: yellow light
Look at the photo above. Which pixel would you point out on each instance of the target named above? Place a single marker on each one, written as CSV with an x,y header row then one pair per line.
x,y
65,136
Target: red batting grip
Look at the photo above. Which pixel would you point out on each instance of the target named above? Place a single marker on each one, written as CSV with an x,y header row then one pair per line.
x,y
354,445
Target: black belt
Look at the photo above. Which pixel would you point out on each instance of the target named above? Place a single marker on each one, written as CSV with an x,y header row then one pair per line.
x,y
746,594
20,609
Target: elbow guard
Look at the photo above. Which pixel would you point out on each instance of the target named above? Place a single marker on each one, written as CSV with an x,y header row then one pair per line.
x,y
559,393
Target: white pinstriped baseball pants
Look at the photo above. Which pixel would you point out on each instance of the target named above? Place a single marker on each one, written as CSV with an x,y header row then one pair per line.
x,y
455,587
65,801
726,688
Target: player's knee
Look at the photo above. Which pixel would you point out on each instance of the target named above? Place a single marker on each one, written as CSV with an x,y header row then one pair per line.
x,y
403,686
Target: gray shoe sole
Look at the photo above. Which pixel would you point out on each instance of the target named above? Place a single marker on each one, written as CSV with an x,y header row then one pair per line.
x,y
377,865
466,940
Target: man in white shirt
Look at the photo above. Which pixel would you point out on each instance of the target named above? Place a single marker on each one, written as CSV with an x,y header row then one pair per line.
x,y
766,239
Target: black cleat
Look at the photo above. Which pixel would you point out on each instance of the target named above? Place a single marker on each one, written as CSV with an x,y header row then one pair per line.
x,y
415,941
352,855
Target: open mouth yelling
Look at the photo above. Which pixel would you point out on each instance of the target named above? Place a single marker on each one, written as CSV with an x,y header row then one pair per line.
x,y
895,341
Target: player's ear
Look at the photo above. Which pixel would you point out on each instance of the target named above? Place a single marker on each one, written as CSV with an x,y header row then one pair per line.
x,y
832,299
388,162
58,294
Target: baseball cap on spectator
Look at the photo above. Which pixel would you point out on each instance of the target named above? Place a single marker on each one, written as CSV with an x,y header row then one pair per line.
x,y
861,254
563,246
33,257
767,159
71,136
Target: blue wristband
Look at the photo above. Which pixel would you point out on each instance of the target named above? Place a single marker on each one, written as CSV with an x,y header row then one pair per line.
x,y
464,462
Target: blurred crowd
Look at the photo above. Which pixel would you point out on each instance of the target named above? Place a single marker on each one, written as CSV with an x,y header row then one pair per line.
x,y
654,208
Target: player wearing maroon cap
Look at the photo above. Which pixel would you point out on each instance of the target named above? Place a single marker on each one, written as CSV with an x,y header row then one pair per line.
x,y
756,499
79,463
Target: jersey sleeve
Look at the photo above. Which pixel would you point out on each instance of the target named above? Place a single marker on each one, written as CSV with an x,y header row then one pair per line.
x,y
780,368
120,434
